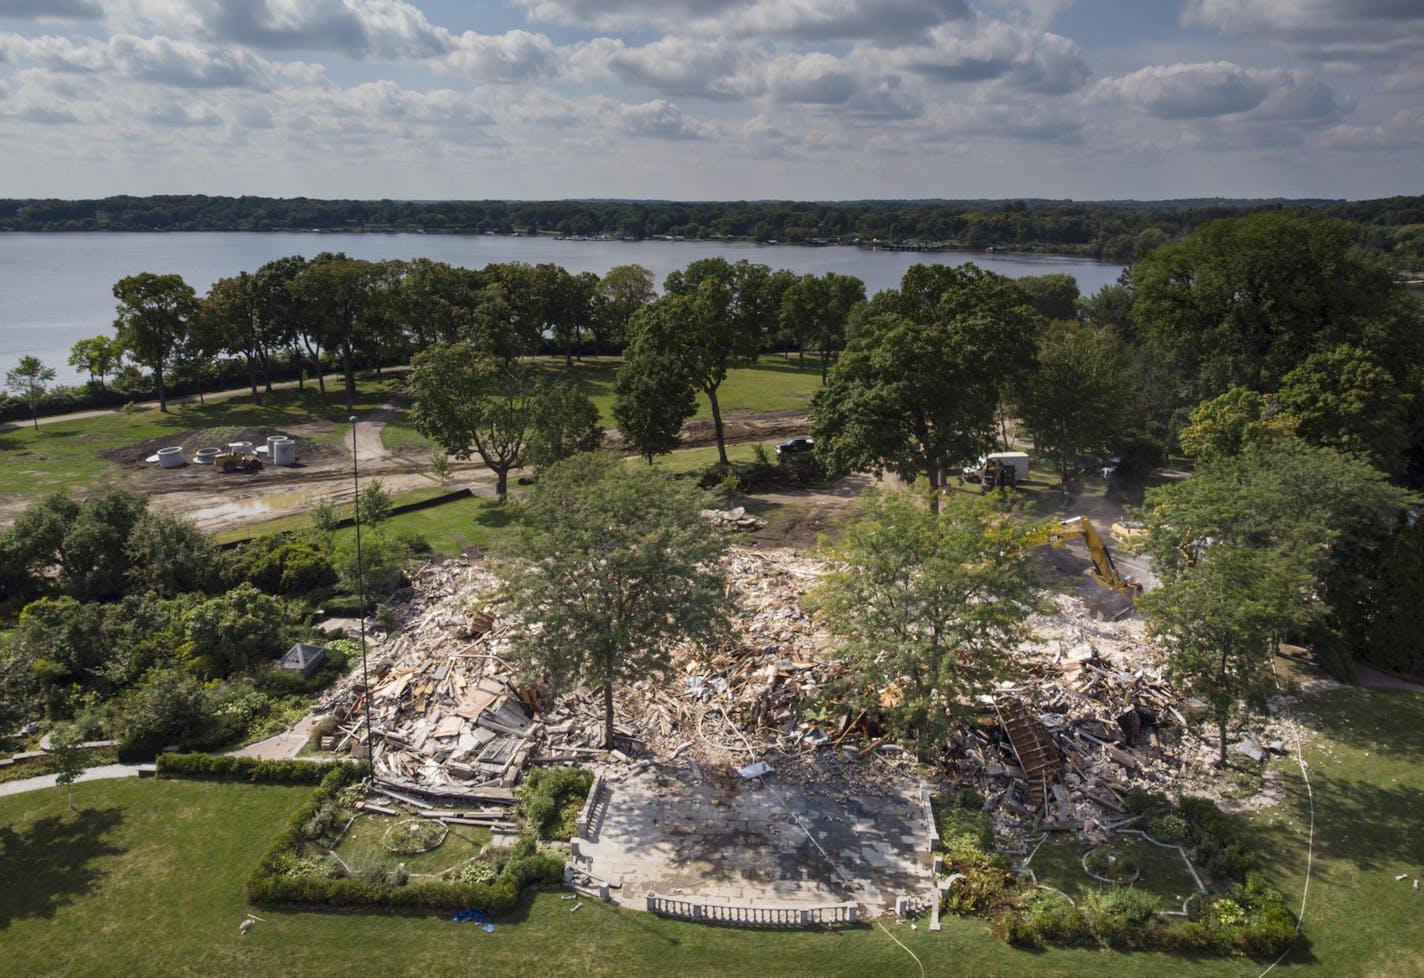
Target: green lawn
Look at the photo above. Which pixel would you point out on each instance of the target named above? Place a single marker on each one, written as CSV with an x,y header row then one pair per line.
x,y
65,455
1059,863
364,844
773,384
146,880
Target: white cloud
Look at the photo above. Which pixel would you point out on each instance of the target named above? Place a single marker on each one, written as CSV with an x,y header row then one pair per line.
x,y
1351,31
381,30
659,120
513,56
1403,131
1192,91
160,61
805,20
994,49
821,20
51,9
671,66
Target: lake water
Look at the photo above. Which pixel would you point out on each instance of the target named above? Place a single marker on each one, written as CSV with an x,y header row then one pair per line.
x,y
58,288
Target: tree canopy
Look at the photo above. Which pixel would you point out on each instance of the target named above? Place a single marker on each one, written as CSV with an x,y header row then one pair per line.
x,y
608,568
923,606
918,385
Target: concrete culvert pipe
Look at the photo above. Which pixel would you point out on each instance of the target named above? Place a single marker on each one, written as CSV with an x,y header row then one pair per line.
x,y
240,447
283,452
171,458
205,455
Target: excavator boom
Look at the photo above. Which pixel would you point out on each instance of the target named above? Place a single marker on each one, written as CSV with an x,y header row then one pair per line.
x,y
1104,571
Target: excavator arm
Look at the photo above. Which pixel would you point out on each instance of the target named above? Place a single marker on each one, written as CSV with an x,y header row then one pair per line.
x,y
1104,571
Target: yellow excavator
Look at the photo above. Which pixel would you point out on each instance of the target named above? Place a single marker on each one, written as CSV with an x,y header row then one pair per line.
x,y
1104,570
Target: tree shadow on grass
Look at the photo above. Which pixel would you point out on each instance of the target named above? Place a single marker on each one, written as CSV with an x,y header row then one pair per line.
x,y
53,861
1389,722
495,517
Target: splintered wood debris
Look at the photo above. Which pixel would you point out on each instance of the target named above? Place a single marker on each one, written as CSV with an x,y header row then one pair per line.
x,y
452,724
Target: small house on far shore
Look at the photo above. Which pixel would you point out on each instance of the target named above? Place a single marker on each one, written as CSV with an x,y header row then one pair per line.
x,y
303,658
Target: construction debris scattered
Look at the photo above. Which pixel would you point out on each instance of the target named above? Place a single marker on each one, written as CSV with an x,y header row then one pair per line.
x,y
1092,718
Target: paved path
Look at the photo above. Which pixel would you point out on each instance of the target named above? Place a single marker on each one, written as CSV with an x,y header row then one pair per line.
x,y
101,773
283,745
1381,680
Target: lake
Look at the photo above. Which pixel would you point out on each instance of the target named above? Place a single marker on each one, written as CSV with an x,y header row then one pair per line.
x,y
57,288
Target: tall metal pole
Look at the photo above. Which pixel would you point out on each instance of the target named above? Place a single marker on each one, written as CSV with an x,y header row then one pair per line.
x,y
361,600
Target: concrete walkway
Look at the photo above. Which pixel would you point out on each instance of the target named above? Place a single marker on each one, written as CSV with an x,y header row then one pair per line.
x,y
103,772
1382,680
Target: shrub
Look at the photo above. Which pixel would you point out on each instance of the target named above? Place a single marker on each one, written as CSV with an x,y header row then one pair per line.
x,y
1049,918
960,816
1170,828
986,883
551,799
1116,915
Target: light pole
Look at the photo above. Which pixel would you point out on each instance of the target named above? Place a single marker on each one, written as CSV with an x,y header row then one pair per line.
x,y
361,600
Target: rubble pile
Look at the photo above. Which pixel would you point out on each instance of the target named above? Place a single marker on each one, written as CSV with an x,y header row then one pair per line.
x,y
453,723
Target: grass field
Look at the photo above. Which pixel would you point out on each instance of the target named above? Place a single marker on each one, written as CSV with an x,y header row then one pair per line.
x,y
146,880
773,384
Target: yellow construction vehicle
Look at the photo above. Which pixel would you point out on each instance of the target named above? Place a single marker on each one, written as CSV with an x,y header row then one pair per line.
x,y
228,462
1104,570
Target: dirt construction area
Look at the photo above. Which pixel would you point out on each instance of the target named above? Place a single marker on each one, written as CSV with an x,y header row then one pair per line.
x,y
323,471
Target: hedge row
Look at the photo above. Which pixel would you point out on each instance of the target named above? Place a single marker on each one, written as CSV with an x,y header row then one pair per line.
x,y
269,886
1248,917
223,767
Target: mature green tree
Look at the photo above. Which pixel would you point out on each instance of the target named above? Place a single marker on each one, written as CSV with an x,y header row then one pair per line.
x,y
1228,424
1392,638
814,311
923,605
98,355
651,401
167,706
62,640
282,313
609,568
563,421
1307,507
17,692
468,402
697,332
919,383
1244,302
377,568
155,313
337,291
1221,621
623,290
231,316
169,555
1076,398
1053,296
1344,398
233,632
66,758
28,380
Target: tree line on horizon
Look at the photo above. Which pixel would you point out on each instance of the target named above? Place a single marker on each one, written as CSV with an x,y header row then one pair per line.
x,y
1392,228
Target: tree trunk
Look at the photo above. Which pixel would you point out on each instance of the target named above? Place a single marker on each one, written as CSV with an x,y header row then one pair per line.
x,y
717,425
501,482
162,392
608,715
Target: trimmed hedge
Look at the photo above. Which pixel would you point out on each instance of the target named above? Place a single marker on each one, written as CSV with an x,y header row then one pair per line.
x,y
268,886
1248,918
223,767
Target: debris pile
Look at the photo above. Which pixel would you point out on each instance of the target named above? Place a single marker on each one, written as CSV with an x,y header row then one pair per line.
x,y
452,723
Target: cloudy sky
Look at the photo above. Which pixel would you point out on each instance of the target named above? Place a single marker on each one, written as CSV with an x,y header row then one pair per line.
x,y
712,99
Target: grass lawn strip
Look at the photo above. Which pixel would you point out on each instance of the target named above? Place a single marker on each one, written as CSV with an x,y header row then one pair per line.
x,y
146,879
